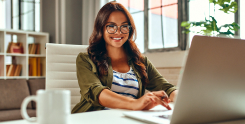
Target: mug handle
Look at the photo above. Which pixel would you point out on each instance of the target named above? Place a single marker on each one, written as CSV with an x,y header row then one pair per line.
x,y
23,108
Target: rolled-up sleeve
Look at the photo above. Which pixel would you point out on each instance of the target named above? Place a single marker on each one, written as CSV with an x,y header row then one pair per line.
x,y
88,80
156,80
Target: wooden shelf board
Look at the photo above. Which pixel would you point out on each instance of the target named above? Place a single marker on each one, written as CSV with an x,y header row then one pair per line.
x,y
1,53
16,77
20,32
36,76
15,32
15,54
37,55
37,34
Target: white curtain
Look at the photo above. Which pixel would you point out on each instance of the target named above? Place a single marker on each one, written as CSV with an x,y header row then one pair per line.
x,y
2,14
90,8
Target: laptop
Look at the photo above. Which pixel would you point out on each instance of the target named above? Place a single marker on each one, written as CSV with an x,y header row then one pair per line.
x,y
212,85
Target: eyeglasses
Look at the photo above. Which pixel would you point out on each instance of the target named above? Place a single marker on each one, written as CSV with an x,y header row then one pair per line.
x,y
112,29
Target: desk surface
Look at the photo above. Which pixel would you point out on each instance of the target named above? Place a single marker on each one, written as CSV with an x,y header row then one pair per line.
x,y
106,117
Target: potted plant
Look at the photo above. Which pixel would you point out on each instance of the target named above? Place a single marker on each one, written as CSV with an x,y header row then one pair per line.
x,y
209,26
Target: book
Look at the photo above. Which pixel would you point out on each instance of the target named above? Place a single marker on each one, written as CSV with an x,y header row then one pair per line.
x,y
8,49
11,70
33,49
33,66
30,69
38,66
15,48
17,70
37,48
7,69
29,48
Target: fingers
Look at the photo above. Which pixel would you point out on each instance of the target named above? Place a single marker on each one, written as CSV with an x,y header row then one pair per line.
x,y
167,106
158,100
164,103
167,101
162,95
147,100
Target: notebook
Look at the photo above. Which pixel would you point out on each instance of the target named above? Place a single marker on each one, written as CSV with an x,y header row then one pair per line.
x,y
212,85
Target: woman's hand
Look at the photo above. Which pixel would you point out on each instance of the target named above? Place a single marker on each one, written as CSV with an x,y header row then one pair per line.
x,y
150,100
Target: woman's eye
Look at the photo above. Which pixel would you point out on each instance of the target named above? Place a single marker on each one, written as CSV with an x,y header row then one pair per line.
x,y
111,26
124,26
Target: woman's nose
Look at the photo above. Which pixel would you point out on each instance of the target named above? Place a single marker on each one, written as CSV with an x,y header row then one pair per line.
x,y
118,30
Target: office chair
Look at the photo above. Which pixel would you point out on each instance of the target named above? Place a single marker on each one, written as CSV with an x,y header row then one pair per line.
x,y
61,68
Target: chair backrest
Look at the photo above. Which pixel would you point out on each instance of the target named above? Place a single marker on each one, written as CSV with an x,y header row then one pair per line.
x,y
61,68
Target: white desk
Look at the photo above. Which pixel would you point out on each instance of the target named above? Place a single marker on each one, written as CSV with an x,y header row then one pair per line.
x,y
113,116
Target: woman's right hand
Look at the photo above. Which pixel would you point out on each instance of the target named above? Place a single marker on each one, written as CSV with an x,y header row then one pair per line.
x,y
150,100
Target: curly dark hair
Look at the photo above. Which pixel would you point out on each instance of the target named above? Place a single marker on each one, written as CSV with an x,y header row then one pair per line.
x,y
97,47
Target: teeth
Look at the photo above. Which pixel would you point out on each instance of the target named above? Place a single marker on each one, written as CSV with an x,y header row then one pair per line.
x,y
117,38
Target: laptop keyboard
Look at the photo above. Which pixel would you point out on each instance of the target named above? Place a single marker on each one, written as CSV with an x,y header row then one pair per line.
x,y
164,116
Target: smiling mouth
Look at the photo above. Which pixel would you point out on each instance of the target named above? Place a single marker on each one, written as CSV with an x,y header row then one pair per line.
x,y
114,38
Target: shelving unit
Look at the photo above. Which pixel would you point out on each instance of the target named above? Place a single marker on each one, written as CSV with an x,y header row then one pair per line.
x,y
22,36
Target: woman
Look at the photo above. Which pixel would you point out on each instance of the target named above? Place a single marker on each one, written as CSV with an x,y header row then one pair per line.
x,y
113,73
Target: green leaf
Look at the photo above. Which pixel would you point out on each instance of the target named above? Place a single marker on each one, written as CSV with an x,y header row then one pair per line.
x,y
209,26
184,24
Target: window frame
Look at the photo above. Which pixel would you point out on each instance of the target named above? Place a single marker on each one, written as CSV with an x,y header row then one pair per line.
x,y
182,38
20,14
183,15
237,17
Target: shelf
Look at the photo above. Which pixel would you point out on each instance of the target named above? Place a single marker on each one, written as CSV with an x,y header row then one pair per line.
x,y
37,55
20,77
16,77
15,32
15,54
21,32
40,38
37,34
36,76
13,77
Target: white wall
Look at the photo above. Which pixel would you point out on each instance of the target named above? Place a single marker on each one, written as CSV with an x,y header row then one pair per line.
x,y
167,59
169,64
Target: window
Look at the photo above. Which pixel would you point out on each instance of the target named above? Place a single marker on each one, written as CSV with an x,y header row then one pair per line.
x,y
136,8
207,9
26,15
163,24
157,26
20,14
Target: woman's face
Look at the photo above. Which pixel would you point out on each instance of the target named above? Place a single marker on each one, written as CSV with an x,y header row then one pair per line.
x,y
113,38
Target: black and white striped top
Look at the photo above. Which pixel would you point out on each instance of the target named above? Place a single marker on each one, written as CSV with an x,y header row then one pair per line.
x,y
125,83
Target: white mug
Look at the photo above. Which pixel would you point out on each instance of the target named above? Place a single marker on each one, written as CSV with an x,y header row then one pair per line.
x,y
53,107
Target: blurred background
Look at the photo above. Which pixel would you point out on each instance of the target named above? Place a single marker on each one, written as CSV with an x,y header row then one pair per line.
x,y
158,23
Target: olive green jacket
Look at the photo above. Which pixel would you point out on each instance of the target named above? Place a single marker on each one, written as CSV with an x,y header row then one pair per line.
x,y
91,85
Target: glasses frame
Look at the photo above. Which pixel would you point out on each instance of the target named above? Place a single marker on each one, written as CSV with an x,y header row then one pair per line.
x,y
120,29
